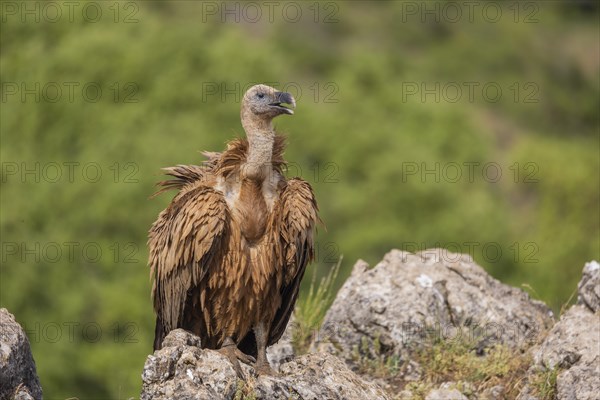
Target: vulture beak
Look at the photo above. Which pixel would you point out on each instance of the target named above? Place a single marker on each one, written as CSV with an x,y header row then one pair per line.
x,y
283,98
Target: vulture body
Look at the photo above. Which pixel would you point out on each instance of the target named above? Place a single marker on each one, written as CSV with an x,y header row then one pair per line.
x,y
228,253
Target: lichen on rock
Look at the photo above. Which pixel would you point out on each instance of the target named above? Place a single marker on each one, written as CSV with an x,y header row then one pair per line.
x,y
182,370
408,297
18,376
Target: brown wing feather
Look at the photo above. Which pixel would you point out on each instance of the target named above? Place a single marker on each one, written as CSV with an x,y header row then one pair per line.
x,y
294,218
184,175
187,238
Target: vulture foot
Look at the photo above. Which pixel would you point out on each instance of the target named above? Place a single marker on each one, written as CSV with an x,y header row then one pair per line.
x,y
263,368
235,355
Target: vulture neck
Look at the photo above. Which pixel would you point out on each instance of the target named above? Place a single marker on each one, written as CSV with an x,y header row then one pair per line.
x,y
261,137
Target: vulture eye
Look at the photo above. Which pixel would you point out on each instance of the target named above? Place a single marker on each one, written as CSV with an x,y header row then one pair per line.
x,y
260,95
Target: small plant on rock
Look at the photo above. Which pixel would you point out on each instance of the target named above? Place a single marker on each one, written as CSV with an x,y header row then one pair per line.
x,y
310,310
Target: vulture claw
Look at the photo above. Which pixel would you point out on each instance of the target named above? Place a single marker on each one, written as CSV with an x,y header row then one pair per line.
x,y
245,358
235,355
264,369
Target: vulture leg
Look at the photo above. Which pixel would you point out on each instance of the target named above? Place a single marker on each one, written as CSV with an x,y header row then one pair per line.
x,y
230,350
262,364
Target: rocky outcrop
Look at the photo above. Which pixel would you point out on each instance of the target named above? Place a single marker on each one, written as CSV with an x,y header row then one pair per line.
x,y
395,305
386,312
18,377
181,370
589,286
572,346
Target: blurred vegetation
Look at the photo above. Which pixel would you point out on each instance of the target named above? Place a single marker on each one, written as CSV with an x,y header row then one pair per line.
x,y
167,74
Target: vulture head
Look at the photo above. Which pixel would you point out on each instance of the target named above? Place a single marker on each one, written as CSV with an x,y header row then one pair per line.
x,y
262,102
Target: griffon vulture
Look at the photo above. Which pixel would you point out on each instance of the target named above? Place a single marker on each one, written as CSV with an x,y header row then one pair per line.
x,y
228,253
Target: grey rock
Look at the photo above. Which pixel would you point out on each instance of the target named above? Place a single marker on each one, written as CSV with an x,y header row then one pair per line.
x,y
282,351
589,286
18,376
181,370
445,392
22,393
493,393
407,297
573,345
320,376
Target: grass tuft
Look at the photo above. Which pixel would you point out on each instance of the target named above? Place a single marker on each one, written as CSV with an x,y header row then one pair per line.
x,y
543,383
310,309
244,391
375,363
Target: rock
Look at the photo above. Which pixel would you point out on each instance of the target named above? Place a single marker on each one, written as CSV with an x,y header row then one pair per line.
x,y
407,297
181,370
589,286
18,377
493,393
22,393
572,346
282,351
445,392
318,376
390,310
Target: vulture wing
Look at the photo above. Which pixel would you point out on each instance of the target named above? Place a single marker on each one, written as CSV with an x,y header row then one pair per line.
x,y
295,217
185,241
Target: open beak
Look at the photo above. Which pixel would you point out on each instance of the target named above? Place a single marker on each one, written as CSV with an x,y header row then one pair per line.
x,y
284,98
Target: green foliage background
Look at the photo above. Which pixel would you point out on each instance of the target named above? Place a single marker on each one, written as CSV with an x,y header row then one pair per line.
x,y
355,133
